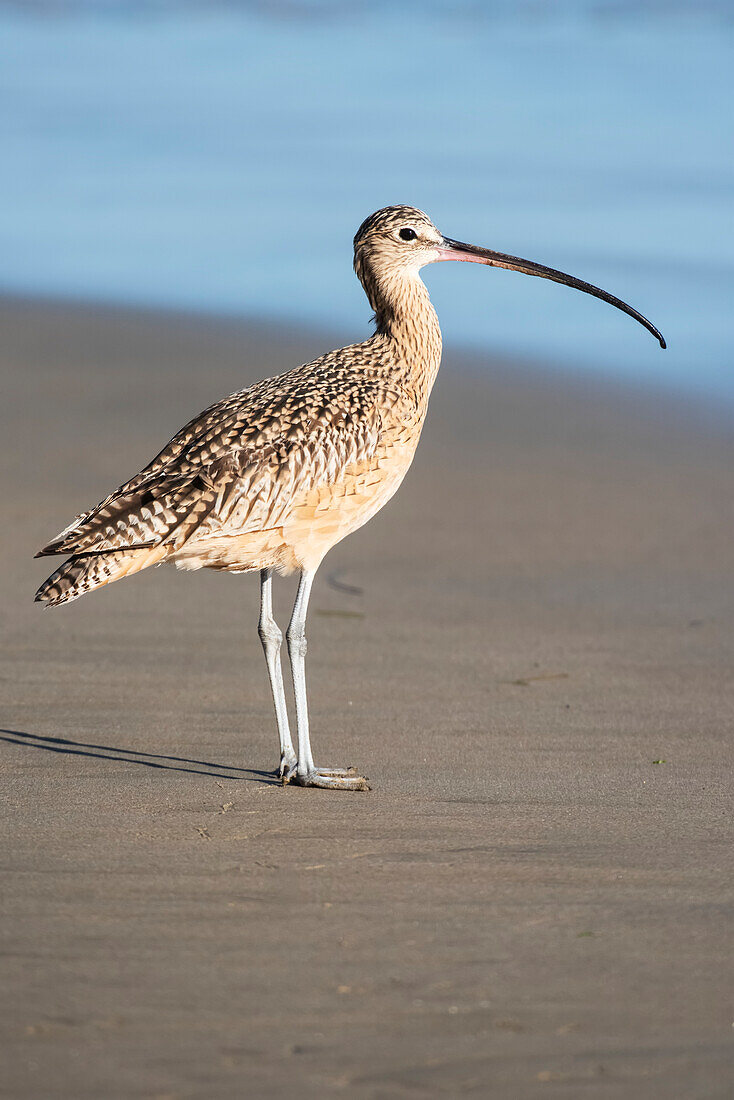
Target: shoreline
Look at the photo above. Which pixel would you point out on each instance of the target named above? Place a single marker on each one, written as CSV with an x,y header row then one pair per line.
x,y
708,409
534,671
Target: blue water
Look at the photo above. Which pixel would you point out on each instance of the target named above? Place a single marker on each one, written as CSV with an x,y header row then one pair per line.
x,y
221,156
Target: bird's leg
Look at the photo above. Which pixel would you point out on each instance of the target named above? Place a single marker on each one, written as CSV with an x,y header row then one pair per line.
x,y
308,775
271,638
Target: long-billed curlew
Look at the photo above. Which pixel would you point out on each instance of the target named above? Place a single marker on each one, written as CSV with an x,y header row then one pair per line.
x,y
275,475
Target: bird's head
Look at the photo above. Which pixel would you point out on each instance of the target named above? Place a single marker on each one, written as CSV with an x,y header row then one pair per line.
x,y
393,244
395,240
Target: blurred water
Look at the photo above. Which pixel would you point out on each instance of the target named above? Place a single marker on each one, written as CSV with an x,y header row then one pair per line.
x,y
221,157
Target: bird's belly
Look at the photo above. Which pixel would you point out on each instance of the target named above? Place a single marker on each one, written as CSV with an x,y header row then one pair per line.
x,y
317,518
326,514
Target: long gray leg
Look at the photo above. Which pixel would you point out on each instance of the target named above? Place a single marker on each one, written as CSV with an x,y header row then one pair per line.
x,y
271,638
308,775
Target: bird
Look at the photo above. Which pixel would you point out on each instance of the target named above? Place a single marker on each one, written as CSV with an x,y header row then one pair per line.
x,y
270,478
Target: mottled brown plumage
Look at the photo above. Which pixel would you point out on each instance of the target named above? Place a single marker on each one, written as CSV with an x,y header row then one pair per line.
x,y
275,475
272,477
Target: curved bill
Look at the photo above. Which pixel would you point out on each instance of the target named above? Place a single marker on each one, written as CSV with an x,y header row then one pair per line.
x,y
455,250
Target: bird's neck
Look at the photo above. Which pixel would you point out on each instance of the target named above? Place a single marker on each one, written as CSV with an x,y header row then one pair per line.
x,y
406,319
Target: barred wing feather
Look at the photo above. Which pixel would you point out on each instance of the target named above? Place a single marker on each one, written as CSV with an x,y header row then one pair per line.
x,y
237,466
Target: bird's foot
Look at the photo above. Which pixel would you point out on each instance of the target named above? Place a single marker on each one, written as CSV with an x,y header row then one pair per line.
x,y
333,779
288,765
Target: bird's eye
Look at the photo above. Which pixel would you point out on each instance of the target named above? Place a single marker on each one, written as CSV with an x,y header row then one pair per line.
x,y
408,234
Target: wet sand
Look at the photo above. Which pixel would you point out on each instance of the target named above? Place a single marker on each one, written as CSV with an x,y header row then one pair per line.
x,y
535,671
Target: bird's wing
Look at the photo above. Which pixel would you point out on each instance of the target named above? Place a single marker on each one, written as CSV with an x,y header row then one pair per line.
x,y
250,453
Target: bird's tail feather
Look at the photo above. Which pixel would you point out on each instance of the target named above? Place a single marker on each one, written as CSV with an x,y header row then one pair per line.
x,y
85,572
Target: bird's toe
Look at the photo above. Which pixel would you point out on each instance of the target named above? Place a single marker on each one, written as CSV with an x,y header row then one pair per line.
x,y
332,779
288,765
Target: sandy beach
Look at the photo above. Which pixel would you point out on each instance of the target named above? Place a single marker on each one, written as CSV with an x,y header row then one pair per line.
x,y
529,652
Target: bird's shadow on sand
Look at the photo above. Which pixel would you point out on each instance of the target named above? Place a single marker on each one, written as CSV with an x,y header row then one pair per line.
x,y
134,756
